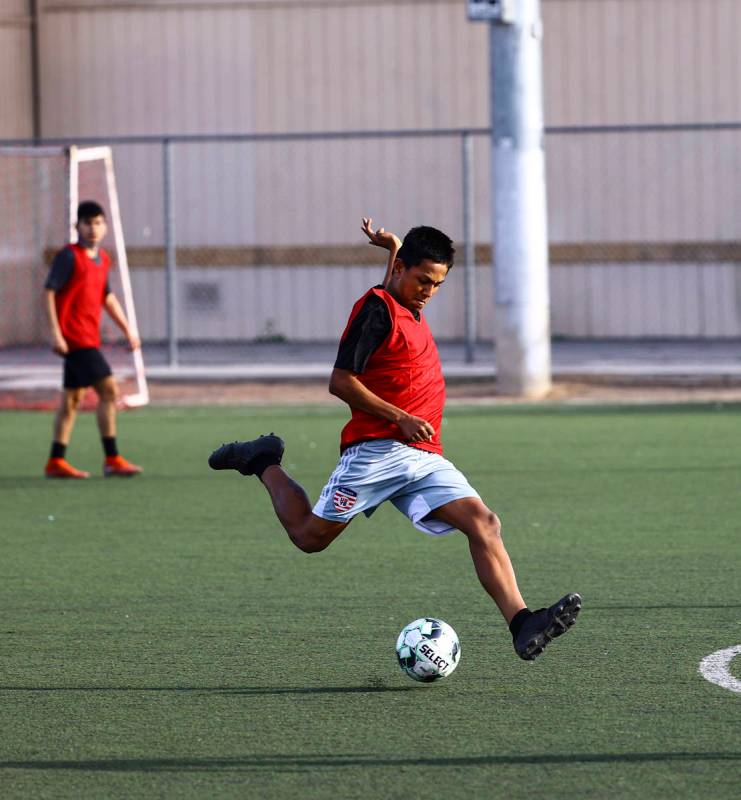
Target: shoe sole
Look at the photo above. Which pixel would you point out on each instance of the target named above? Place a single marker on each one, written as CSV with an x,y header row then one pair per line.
x,y
564,616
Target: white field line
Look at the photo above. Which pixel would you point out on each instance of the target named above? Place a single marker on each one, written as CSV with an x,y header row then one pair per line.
x,y
714,668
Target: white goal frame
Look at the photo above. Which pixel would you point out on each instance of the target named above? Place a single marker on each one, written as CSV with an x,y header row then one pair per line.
x,y
74,156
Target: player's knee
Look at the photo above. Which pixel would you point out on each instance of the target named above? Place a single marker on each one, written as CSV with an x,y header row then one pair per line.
x,y
311,543
309,539
72,400
488,527
108,392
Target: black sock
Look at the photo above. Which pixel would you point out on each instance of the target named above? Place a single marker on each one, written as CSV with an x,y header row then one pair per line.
x,y
519,619
109,445
58,450
262,462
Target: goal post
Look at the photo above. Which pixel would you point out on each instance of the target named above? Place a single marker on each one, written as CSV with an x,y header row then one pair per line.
x,y
40,188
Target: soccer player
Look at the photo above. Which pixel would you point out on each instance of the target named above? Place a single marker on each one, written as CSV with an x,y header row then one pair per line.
x,y
388,372
76,290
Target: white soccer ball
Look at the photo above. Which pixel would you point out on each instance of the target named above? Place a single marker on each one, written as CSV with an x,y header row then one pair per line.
x,y
428,649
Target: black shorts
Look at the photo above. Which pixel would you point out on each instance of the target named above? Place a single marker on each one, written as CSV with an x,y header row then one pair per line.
x,y
84,367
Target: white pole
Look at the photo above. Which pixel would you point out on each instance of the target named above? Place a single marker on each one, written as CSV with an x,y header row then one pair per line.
x,y
521,326
73,190
141,398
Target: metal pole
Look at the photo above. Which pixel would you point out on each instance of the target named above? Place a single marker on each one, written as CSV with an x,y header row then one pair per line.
x,y
35,71
168,191
521,321
470,247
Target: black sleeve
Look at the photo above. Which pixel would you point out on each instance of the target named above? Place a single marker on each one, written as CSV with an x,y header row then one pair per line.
x,y
365,335
61,270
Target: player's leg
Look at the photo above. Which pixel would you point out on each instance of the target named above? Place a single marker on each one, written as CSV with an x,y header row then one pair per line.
x,y
307,531
64,420
64,423
261,457
490,558
531,630
107,391
115,465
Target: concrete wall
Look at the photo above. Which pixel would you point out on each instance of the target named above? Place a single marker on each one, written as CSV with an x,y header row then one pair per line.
x,y
16,116
155,67
158,66
312,303
119,67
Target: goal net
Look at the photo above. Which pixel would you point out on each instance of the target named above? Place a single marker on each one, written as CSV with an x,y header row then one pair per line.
x,y
40,188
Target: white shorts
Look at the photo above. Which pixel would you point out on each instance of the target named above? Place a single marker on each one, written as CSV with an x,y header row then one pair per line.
x,y
415,481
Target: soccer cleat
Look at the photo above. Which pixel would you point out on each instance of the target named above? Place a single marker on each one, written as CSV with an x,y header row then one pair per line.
x,y
59,468
118,466
546,624
246,457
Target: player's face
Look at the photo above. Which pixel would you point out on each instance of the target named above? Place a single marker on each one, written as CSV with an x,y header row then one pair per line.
x,y
413,287
92,230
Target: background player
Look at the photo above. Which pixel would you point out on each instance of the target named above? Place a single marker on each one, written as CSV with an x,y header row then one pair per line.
x,y
388,372
76,290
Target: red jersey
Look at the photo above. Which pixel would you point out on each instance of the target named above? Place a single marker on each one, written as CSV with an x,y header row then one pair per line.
x,y
80,300
405,371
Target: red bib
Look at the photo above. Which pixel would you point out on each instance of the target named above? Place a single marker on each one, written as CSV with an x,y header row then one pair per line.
x,y
404,371
80,300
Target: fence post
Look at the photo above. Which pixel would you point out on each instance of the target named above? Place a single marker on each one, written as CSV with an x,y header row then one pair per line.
x,y
168,193
469,289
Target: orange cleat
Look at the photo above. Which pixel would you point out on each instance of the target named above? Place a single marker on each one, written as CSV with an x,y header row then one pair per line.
x,y
59,468
118,466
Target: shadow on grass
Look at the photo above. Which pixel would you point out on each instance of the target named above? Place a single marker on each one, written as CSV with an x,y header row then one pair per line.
x,y
226,690
305,763
667,606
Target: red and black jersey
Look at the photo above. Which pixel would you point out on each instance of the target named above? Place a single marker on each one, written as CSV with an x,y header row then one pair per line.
x,y
401,365
79,294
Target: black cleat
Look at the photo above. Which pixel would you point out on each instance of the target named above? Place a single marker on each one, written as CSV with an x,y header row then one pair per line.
x,y
247,457
546,624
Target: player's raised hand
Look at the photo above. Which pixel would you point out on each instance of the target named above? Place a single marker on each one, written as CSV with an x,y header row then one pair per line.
x,y
416,429
380,237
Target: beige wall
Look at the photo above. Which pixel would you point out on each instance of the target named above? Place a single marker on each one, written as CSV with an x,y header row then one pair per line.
x,y
121,67
591,301
283,66
642,61
158,67
15,70
155,67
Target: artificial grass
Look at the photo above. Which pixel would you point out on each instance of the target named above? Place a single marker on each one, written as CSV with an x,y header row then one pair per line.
x,y
161,637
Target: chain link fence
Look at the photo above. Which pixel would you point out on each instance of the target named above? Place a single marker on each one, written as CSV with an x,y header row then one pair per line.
x,y
244,239
264,244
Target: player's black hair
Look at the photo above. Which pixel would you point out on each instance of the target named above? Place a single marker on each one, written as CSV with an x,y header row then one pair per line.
x,y
89,209
423,243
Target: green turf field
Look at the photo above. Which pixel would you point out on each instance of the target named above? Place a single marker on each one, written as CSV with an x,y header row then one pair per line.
x,y
161,637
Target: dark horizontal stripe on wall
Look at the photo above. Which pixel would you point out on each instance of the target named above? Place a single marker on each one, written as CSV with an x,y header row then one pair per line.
x,y
650,252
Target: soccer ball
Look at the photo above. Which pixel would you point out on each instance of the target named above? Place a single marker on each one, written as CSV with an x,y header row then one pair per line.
x,y
428,649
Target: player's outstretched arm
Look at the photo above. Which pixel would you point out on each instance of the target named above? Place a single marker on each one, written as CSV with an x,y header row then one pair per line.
x,y
116,313
345,385
384,239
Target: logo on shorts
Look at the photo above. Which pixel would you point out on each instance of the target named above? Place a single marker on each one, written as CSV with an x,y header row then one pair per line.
x,y
344,499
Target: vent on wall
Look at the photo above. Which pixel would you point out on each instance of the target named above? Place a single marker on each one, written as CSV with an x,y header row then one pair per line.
x,y
202,297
